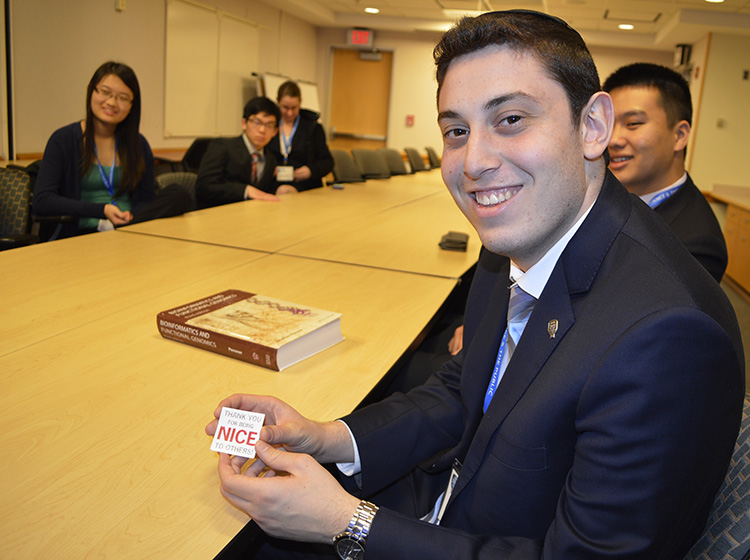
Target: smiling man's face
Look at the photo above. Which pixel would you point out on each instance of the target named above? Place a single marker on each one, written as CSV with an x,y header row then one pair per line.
x,y
512,158
646,151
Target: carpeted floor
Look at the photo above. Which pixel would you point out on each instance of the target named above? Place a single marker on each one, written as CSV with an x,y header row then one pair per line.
x,y
742,308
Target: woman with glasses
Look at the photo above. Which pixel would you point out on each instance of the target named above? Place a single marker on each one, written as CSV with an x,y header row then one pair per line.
x,y
101,170
300,142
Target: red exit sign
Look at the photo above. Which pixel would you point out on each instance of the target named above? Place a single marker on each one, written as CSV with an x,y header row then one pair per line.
x,y
359,37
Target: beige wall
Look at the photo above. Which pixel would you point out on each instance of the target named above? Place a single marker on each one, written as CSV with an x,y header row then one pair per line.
x,y
609,59
58,45
414,85
721,147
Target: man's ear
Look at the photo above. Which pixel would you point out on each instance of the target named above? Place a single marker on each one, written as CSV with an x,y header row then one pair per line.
x,y
681,135
597,124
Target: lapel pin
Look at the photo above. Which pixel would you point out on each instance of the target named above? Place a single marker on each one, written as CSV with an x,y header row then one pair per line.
x,y
552,328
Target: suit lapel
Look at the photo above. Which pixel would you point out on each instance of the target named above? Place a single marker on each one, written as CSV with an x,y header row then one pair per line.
x,y
532,352
572,277
242,156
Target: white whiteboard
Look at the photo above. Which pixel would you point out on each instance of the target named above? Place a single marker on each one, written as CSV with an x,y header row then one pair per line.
x,y
209,57
309,90
238,55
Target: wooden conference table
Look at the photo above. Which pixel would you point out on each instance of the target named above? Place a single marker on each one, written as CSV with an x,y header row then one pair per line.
x,y
104,454
394,223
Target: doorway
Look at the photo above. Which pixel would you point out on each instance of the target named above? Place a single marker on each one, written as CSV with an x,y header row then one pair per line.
x,y
360,98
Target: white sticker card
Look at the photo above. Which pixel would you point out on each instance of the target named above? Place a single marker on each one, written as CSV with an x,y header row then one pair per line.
x,y
237,432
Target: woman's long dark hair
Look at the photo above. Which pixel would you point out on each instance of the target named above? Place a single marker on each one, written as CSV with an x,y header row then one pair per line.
x,y
129,147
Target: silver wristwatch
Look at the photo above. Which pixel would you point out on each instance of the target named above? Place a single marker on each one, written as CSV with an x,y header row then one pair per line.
x,y
350,545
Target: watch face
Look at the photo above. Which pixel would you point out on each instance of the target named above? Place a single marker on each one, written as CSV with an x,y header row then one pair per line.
x,y
349,549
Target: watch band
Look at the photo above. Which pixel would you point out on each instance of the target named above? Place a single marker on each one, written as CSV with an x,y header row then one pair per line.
x,y
352,539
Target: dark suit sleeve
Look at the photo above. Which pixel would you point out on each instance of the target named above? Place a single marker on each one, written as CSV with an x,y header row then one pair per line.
x,y
653,425
215,184
690,217
710,251
321,160
145,191
398,433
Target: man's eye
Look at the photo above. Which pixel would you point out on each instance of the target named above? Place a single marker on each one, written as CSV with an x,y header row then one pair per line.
x,y
455,132
510,120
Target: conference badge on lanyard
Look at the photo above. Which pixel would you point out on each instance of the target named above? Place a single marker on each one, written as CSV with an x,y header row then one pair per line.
x,y
109,182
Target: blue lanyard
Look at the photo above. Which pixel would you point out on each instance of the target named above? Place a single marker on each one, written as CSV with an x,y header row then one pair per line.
x,y
661,197
287,142
496,372
110,184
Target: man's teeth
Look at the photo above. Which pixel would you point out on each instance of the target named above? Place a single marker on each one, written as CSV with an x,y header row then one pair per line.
x,y
492,197
621,158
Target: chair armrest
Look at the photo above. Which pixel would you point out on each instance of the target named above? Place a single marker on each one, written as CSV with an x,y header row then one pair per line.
x,y
19,240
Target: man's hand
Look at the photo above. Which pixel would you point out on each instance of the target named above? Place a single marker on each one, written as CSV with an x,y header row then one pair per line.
x,y
286,189
327,442
256,194
117,216
304,504
457,341
302,173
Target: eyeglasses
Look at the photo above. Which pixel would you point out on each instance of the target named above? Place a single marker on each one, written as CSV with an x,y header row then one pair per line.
x,y
120,98
270,126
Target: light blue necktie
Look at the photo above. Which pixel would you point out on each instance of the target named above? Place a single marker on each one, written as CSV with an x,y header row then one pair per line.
x,y
519,308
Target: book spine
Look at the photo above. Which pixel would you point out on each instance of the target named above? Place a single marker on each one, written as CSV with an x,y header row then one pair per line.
x,y
217,342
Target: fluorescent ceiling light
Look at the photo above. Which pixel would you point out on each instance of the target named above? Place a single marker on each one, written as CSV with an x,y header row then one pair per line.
x,y
627,26
372,10
715,1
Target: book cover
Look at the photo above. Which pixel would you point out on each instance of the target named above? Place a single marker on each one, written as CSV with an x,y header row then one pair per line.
x,y
258,329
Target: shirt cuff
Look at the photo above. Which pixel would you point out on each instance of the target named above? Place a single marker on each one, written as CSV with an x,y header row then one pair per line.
x,y
350,469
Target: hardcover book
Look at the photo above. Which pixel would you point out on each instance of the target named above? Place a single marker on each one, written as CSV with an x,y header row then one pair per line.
x,y
258,329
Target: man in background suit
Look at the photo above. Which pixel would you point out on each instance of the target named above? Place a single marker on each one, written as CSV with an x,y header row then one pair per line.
x,y
597,422
241,168
653,114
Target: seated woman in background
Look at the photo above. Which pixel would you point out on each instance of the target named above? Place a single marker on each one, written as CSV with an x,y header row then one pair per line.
x,y
300,142
101,170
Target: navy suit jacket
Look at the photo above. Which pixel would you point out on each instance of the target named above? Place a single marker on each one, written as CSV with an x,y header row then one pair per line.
x,y
611,429
225,171
690,217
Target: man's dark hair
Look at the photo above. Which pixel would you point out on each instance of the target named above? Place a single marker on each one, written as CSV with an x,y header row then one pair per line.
x,y
674,91
261,105
556,45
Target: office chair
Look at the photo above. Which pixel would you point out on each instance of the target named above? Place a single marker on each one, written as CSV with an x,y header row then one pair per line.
x,y
185,179
394,160
415,160
15,209
433,157
727,533
344,168
191,161
372,164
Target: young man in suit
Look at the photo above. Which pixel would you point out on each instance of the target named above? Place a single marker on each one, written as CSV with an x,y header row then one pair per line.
x,y
653,113
599,424
241,168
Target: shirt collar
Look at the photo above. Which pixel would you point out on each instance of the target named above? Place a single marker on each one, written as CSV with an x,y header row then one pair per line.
x,y
535,279
648,197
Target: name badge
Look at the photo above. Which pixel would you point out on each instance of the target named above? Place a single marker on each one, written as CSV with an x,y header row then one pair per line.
x,y
285,174
455,472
